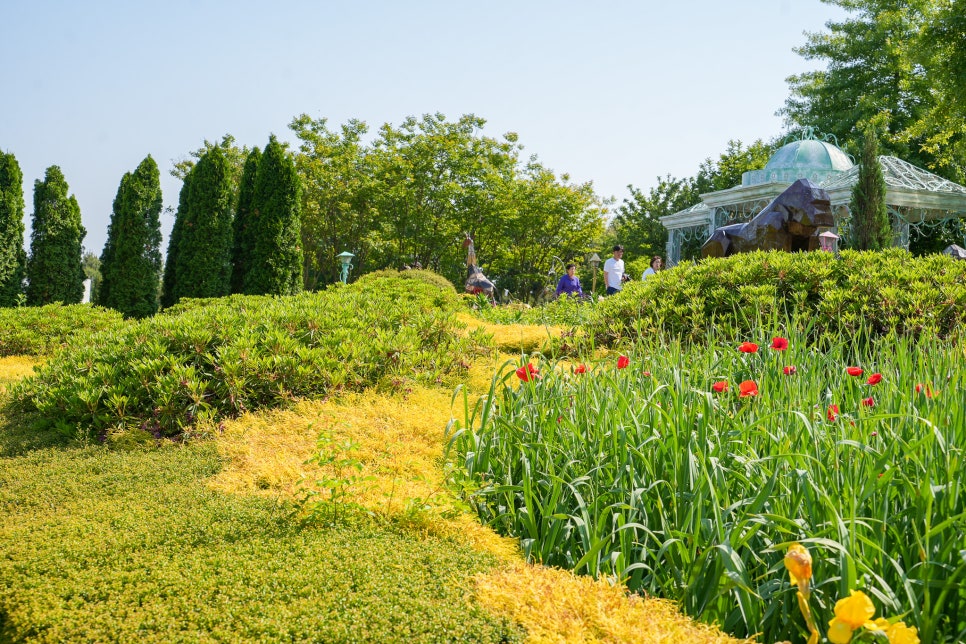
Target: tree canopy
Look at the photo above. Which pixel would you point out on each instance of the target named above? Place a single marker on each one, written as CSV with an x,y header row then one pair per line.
x,y
54,270
893,63
131,262
13,258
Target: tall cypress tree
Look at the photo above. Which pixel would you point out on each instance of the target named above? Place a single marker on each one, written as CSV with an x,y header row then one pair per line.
x,y
276,260
54,269
871,229
243,240
131,261
203,267
13,258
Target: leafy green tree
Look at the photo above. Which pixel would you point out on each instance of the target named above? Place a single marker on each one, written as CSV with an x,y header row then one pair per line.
x,y
203,254
13,258
869,227
54,271
940,54
875,73
338,209
731,164
275,263
243,243
236,157
131,260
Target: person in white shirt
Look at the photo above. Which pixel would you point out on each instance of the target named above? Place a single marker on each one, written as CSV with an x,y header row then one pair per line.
x,y
614,271
656,263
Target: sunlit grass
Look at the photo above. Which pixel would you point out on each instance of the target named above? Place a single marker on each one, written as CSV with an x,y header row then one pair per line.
x,y
13,368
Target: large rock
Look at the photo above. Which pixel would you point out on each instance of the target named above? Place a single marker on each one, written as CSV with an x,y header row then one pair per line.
x,y
790,222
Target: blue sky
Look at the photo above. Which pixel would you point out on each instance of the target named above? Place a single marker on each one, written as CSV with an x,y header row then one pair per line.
x,y
614,92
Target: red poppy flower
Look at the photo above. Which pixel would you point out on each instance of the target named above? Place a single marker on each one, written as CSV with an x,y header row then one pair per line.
x,y
748,388
748,347
581,368
854,371
868,402
528,373
790,370
832,413
647,374
622,362
918,387
874,379
720,386
929,392
779,343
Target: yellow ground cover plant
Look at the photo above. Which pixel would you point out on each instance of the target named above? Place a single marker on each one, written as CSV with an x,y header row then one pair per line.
x,y
398,440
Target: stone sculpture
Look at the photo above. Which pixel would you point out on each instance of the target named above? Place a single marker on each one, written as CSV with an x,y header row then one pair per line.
x,y
790,222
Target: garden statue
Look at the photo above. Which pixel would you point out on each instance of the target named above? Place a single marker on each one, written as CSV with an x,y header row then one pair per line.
x,y
790,222
476,281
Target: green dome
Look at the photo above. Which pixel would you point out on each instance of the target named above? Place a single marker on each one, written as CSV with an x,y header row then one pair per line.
x,y
809,159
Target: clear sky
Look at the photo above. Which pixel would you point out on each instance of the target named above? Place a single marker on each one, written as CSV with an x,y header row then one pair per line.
x,y
616,92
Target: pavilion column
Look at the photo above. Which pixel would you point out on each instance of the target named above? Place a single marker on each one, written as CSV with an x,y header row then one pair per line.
x,y
670,248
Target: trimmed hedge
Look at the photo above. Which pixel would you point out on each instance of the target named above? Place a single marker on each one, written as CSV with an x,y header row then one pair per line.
x,y
39,330
874,293
222,357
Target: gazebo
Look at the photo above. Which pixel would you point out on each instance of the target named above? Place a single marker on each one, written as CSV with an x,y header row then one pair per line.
x,y
917,199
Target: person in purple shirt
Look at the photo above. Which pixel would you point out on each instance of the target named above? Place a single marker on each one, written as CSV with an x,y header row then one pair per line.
x,y
570,283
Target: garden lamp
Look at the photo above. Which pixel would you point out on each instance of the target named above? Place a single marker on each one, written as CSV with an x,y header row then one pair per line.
x,y
346,258
828,241
594,262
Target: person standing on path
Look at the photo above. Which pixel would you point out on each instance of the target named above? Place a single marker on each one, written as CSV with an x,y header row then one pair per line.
x,y
614,271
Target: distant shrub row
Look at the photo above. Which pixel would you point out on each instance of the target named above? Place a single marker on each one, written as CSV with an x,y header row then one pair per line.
x,y
873,293
38,330
218,358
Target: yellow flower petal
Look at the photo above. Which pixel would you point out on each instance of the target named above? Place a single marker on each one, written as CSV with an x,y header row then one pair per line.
x,y
855,610
839,632
899,633
799,564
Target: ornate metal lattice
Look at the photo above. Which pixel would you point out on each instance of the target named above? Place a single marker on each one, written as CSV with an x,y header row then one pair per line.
x,y
678,237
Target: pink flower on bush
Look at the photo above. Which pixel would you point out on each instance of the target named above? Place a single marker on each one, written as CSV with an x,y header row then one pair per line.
x,y
854,371
720,386
874,379
748,388
779,343
528,373
748,347
790,370
622,362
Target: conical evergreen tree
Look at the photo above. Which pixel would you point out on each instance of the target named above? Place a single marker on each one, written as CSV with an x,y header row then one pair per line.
x,y
54,269
203,267
13,258
871,229
244,243
131,261
275,264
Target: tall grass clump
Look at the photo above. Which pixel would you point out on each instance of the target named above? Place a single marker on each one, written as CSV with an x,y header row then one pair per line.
x,y
39,330
225,356
687,469
881,292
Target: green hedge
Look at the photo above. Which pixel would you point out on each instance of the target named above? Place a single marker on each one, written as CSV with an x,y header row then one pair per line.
x,y
223,357
39,330
859,292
